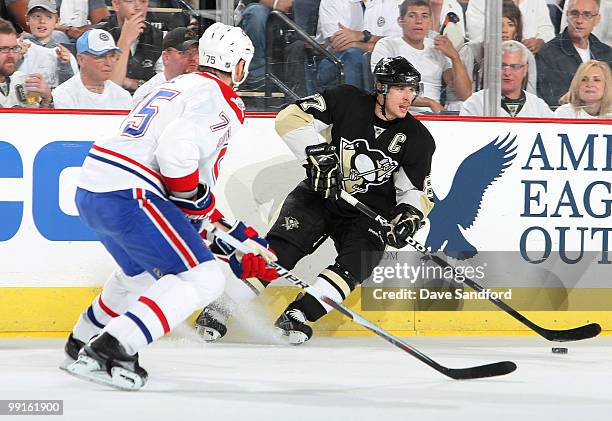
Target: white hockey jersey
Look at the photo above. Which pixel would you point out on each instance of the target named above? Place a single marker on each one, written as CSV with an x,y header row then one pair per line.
x,y
176,136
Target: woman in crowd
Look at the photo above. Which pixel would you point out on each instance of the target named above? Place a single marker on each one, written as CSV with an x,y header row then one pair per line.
x,y
512,22
590,94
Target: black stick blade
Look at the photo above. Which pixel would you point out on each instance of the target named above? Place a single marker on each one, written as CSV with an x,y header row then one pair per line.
x,y
576,334
489,370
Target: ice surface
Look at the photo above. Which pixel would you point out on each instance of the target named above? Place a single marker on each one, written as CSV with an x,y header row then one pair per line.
x,y
329,378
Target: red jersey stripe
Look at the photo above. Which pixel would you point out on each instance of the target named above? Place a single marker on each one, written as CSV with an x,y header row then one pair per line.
x,y
130,160
158,312
105,308
167,231
229,94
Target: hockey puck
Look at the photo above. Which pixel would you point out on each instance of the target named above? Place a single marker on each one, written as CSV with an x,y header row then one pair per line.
x,y
559,350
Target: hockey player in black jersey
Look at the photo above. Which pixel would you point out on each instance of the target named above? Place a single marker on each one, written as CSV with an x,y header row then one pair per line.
x,y
377,152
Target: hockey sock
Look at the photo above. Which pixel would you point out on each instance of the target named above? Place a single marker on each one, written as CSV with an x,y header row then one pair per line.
x,y
166,304
312,308
119,292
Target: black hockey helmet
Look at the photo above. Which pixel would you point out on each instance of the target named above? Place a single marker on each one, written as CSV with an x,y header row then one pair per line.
x,y
396,71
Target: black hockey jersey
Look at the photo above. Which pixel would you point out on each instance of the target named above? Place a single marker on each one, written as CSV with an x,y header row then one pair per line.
x,y
383,162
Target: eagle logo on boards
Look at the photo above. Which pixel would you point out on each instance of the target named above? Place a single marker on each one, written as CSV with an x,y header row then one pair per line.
x,y
291,223
363,167
461,205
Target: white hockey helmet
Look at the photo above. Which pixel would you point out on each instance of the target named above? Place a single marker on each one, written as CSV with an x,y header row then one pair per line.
x,y
222,46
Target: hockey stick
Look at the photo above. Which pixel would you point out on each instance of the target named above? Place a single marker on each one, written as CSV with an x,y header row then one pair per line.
x,y
583,332
488,370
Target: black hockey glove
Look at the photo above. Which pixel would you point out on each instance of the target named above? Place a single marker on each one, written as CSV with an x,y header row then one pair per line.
x,y
406,220
323,170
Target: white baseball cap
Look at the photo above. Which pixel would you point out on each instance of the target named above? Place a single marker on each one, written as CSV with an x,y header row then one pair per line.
x,y
97,42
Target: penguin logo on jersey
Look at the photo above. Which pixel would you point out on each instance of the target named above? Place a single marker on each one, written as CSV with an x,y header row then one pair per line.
x,y
363,167
291,223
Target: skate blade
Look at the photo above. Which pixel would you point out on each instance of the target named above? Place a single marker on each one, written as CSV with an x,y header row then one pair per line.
x,y
67,362
292,337
87,368
207,333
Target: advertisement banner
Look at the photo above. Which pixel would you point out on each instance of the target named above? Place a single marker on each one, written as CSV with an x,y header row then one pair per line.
x,y
528,193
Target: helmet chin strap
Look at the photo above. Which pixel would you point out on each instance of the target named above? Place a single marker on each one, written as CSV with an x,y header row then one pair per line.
x,y
383,107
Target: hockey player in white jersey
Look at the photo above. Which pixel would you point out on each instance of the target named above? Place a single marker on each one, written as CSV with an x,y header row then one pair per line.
x,y
146,193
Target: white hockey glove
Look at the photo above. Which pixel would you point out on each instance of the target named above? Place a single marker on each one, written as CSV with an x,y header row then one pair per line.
x,y
323,170
406,220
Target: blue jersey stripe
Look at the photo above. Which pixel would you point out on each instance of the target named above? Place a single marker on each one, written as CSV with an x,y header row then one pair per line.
x,y
93,319
141,325
128,169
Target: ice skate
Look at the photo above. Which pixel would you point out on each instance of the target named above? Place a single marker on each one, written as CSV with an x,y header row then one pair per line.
x,y
104,361
71,349
212,321
292,324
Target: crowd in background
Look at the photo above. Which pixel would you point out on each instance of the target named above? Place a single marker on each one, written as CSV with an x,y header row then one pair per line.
x,y
556,56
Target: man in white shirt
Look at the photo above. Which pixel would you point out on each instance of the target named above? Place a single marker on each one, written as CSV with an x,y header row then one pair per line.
x,y
179,55
92,88
515,102
436,59
16,87
349,28
537,26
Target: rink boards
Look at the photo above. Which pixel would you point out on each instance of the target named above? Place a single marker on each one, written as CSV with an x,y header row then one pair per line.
x,y
541,196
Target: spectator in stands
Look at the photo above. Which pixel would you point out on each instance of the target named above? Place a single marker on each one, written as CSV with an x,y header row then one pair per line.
x,y
515,102
436,59
590,94
139,41
16,88
512,29
77,16
603,30
537,26
512,22
44,55
560,58
92,88
306,14
253,21
73,14
349,29
179,55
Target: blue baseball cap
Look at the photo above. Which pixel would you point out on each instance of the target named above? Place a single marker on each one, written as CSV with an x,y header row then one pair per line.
x,y
97,42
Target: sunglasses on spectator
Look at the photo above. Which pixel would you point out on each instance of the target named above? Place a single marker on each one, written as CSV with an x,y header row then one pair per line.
x,y
575,14
5,50
512,66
